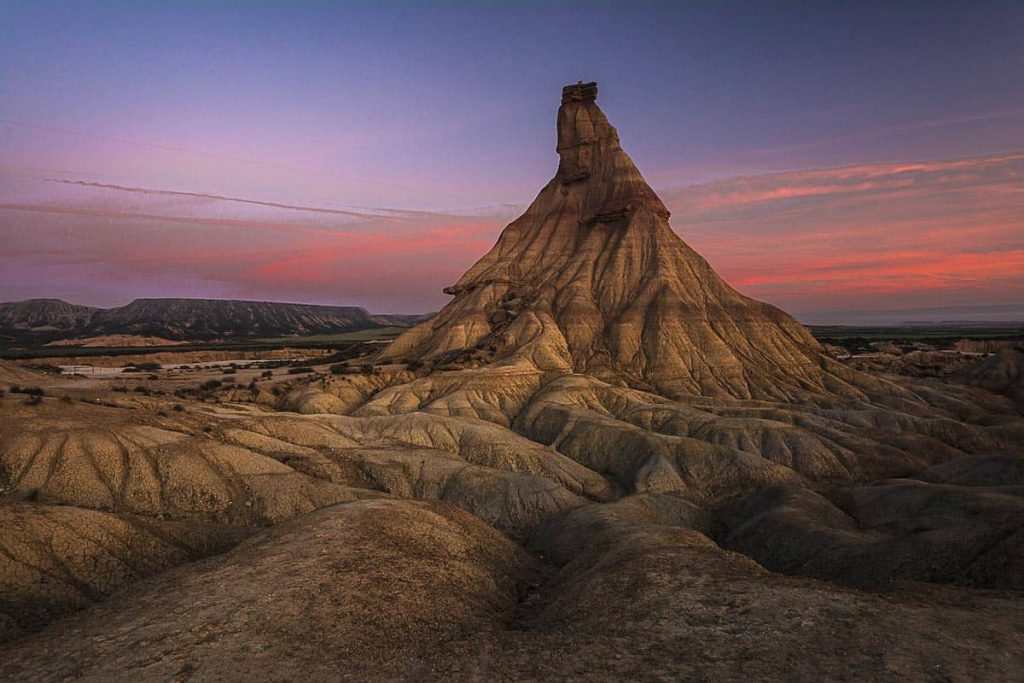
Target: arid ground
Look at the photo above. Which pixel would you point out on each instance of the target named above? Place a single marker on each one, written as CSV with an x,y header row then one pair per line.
x,y
597,462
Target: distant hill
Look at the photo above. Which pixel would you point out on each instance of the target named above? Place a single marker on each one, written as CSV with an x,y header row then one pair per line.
x,y
402,319
185,319
211,319
44,313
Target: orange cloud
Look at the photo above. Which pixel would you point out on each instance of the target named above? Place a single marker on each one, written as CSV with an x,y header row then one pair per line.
x,y
870,236
903,235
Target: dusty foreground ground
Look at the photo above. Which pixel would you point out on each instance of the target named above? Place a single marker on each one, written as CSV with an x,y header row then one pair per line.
x,y
520,560
402,589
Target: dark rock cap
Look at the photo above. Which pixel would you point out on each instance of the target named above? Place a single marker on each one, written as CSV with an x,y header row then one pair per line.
x,y
579,92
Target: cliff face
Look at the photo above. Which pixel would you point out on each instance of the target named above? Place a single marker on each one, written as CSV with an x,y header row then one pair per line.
x,y
187,319
44,313
204,318
592,279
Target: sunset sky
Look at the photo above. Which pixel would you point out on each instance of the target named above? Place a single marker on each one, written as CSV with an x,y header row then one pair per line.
x,y
847,156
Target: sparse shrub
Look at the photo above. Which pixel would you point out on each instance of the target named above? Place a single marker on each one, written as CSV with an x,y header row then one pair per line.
x,y
161,413
65,398
178,408
413,364
276,391
210,385
302,369
30,391
121,390
46,367
367,368
153,377
230,371
143,390
267,374
34,400
343,369
207,428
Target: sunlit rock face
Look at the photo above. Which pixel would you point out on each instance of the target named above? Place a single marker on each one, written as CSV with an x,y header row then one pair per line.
x,y
591,279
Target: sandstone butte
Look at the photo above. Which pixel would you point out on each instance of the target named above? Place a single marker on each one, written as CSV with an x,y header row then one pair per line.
x,y
591,279
605,464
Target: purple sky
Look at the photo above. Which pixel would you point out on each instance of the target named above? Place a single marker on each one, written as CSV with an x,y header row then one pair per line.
x,y
820,155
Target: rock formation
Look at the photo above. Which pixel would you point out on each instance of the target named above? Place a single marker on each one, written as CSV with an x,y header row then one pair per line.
x,y
615,457
591,279
1002,373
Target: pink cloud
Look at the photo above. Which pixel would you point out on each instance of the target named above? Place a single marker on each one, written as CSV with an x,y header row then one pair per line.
x,y
871,236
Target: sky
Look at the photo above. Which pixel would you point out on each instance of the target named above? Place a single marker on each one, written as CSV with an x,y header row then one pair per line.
x,y
823,156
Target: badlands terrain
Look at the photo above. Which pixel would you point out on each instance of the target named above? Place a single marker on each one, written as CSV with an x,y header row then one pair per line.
x,y
597,462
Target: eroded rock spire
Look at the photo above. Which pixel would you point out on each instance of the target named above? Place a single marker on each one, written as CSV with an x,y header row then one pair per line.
x,y
591,279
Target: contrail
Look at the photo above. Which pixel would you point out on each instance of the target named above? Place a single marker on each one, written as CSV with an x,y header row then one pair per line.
x,y
204,195
189,220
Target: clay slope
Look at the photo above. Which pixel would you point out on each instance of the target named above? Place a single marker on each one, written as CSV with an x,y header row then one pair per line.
x,y
1002,373
56,559
401,590
592,279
